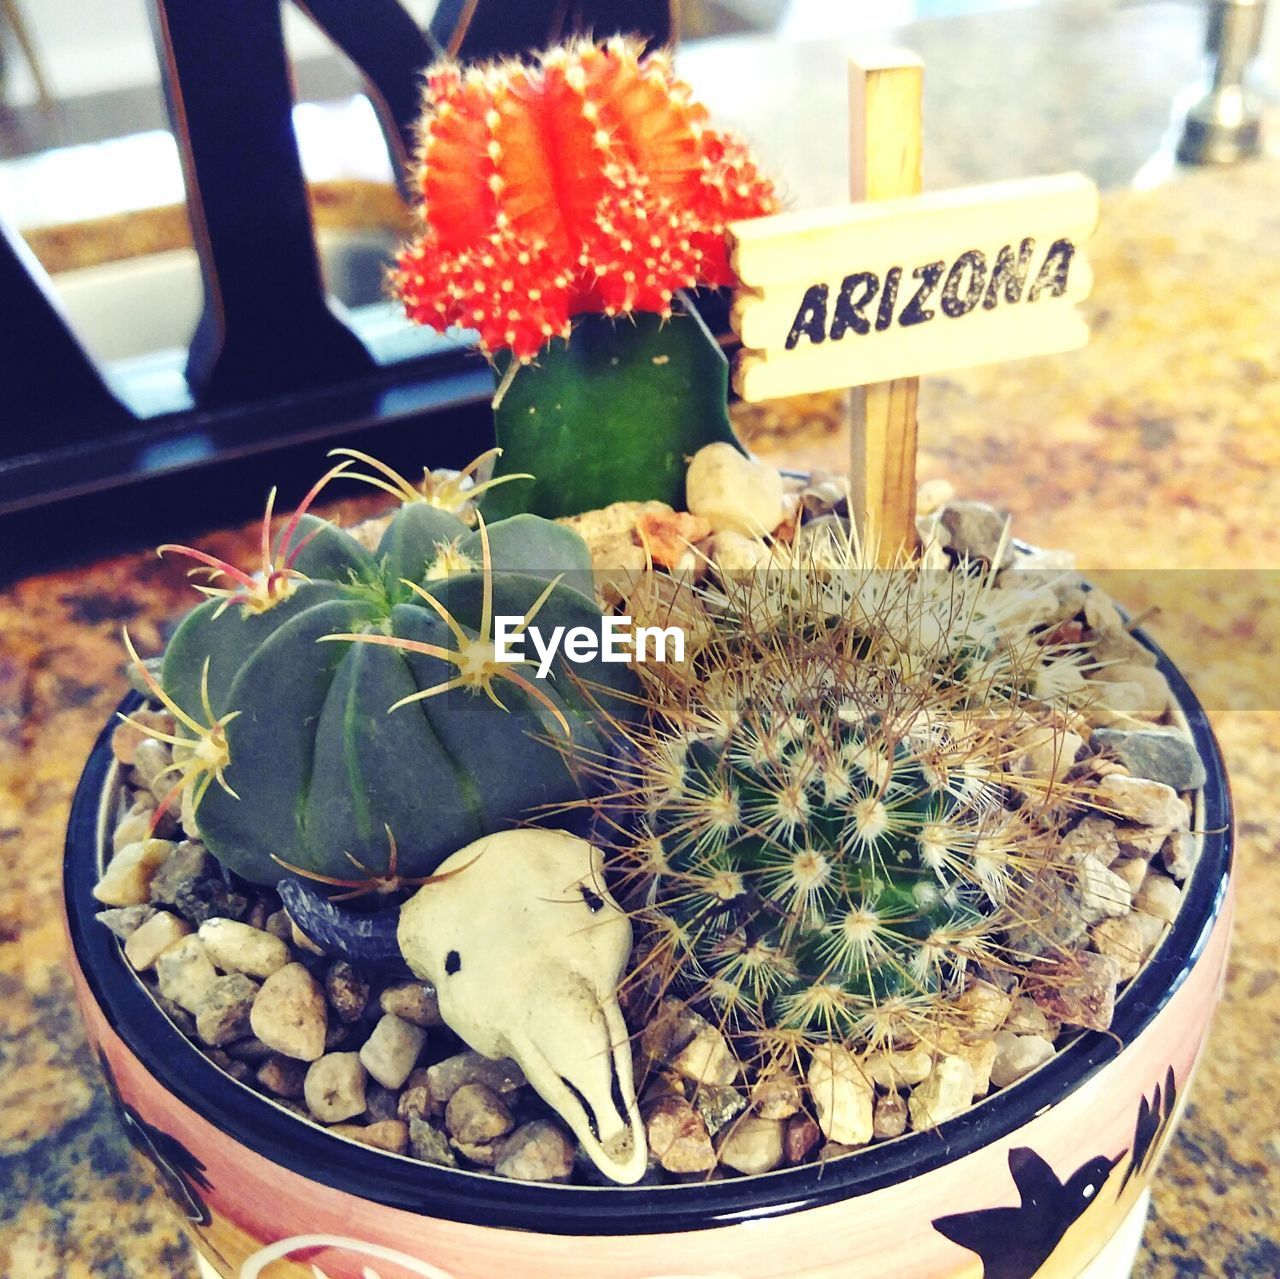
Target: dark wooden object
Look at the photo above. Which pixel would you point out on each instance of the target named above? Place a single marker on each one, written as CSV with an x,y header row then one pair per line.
x,y
275,366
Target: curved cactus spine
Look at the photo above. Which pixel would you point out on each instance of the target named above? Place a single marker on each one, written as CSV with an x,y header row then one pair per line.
x,y
834,821
341,708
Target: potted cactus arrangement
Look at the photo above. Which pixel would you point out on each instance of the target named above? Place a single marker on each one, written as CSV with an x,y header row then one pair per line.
x,y
604,859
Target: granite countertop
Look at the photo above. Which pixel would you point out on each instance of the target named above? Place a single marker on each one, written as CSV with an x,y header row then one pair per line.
x,y
1157,448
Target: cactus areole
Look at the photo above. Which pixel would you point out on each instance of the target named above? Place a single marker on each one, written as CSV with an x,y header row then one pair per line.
x,y
364,715
564,204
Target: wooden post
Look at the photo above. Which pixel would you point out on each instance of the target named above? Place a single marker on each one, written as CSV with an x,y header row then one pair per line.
x,y
886,146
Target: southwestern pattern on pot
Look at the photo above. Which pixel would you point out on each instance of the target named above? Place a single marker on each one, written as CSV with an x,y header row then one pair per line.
x,y
617,857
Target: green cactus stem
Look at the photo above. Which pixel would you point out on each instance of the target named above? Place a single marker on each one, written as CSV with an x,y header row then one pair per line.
x,y
612,414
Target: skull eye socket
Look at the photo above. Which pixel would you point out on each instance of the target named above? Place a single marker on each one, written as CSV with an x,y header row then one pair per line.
x,y
595,903
452,963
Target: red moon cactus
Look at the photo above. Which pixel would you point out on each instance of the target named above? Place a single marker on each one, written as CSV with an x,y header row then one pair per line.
x,y
586,182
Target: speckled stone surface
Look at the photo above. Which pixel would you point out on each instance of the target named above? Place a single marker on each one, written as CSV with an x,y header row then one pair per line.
x,y
1158,448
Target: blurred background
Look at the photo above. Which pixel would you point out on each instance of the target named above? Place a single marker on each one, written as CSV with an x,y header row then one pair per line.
x,y
132,376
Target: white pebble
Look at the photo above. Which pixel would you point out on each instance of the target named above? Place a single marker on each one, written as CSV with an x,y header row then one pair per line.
x,y
335,1087
236,948
946,1093
1149,803
1018,1055
127,878
752,1145
842,1095
147,943
732,491
1159,896
898,1069
391,1052
1103,894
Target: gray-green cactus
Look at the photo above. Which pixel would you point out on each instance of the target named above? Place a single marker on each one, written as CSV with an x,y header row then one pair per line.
x,y
347,694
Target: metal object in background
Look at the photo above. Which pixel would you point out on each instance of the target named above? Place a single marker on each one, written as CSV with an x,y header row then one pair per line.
x,y
1225,126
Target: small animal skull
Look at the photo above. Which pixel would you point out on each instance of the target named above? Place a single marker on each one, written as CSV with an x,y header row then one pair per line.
x,y
525,947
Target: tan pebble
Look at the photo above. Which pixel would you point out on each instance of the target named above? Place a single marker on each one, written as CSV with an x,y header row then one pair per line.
x,y
738,556
334,1087
891,1115
1103,894
752,1145
1140,842
301,941
237,948
444,1078
1159,896
1133,870
983,1007
151,760
801,1139
1121,939
387,1134
669,537
1154,694
707,1058
476,1115
1078,988
127,878
776,1096
289,1013
678,1137
413,1001
933,495
732,491
153,938
898,1069
1181,853
1101,614
1094,837
1148,803
283,1076
1051,753
946,1093
537,1151
842,1095
1027,1018
135,826
1152,928
484,1153
415,1100
347,990
979,1057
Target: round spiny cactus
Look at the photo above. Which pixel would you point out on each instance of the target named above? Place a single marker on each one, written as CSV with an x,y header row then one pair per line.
x,y
834,812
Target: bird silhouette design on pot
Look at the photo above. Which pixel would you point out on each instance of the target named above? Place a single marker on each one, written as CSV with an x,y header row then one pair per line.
x,y
1024,1242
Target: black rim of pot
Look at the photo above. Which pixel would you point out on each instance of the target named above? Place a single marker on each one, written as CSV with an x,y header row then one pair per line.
x,y
483,1199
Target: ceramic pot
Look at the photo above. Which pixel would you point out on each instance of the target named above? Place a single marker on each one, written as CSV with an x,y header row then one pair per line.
x,y
1047,1179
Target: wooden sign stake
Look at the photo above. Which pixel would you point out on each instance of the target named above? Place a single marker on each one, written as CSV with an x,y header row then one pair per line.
x,y
896,286
886,145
